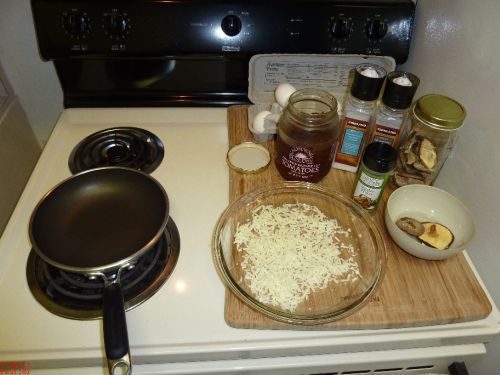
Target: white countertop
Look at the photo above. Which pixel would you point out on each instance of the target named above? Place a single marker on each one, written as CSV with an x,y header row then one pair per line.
x,y
184,320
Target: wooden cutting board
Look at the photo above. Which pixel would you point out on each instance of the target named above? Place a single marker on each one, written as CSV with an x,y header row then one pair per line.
x,y
414,292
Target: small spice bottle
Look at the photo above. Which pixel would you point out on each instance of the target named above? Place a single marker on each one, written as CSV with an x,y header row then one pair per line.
x,y
398,95
358,110
374,172
307,136
430,134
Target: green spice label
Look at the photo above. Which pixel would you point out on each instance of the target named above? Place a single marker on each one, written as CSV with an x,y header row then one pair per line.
x,y
369,189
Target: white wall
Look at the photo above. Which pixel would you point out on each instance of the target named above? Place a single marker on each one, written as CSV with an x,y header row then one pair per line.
x,y
34,81
456,52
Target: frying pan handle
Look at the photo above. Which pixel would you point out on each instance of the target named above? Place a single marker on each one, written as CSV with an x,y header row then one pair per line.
x,y
115,330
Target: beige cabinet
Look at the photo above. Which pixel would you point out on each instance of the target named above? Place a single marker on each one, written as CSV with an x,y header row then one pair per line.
x,y
19,150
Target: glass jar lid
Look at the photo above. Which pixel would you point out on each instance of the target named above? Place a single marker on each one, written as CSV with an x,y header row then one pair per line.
x,y
248,157
440,111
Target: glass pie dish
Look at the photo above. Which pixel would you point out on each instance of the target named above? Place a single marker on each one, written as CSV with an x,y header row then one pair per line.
x,y
317,258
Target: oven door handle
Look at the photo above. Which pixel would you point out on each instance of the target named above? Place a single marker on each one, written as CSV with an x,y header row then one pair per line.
x,y
458,368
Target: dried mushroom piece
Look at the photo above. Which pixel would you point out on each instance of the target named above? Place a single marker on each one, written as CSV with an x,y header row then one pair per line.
x,y
422,168
408,154
410,226
411,158
402,180
405,164
427,154
436,235
417,161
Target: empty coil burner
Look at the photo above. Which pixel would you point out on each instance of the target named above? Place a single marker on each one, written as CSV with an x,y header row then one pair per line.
x,y
122,147
76,296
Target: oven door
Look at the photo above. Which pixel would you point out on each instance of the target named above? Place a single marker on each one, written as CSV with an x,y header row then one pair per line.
x,y
179,81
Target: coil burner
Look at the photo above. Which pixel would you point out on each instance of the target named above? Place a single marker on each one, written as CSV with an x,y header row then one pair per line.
x,y
122,146
76,296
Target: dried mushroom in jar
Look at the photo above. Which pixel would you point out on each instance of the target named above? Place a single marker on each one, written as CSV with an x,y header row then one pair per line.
x,y
417,161
432,132
427,156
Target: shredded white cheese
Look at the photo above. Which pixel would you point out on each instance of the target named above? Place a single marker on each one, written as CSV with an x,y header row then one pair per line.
x,y
292,250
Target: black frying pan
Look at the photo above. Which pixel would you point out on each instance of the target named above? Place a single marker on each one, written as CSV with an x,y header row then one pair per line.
x,y
98,222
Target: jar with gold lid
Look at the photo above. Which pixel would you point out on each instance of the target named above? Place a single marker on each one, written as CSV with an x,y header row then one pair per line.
x,y
307,135
429,135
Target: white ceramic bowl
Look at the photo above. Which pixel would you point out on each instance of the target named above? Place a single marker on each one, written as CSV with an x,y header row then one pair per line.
x,y
428,203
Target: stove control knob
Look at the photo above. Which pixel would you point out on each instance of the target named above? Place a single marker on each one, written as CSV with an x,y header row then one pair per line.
x,y
340,27
116,25
76,24
231,25
376,29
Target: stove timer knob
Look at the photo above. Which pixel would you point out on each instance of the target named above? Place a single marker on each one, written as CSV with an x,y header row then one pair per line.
x,y
116,25
76,24
376,29
231,25
340,27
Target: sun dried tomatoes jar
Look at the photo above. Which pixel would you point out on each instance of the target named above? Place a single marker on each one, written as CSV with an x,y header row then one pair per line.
x,y
430,134
307,136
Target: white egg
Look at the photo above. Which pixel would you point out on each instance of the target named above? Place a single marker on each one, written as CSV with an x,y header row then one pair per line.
x,y
283,92
258,121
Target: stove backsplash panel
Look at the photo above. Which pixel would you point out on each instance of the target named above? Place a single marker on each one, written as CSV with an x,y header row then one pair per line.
x,y
150,53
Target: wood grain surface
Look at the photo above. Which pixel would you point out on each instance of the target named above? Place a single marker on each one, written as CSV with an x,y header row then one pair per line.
x,y
414,292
